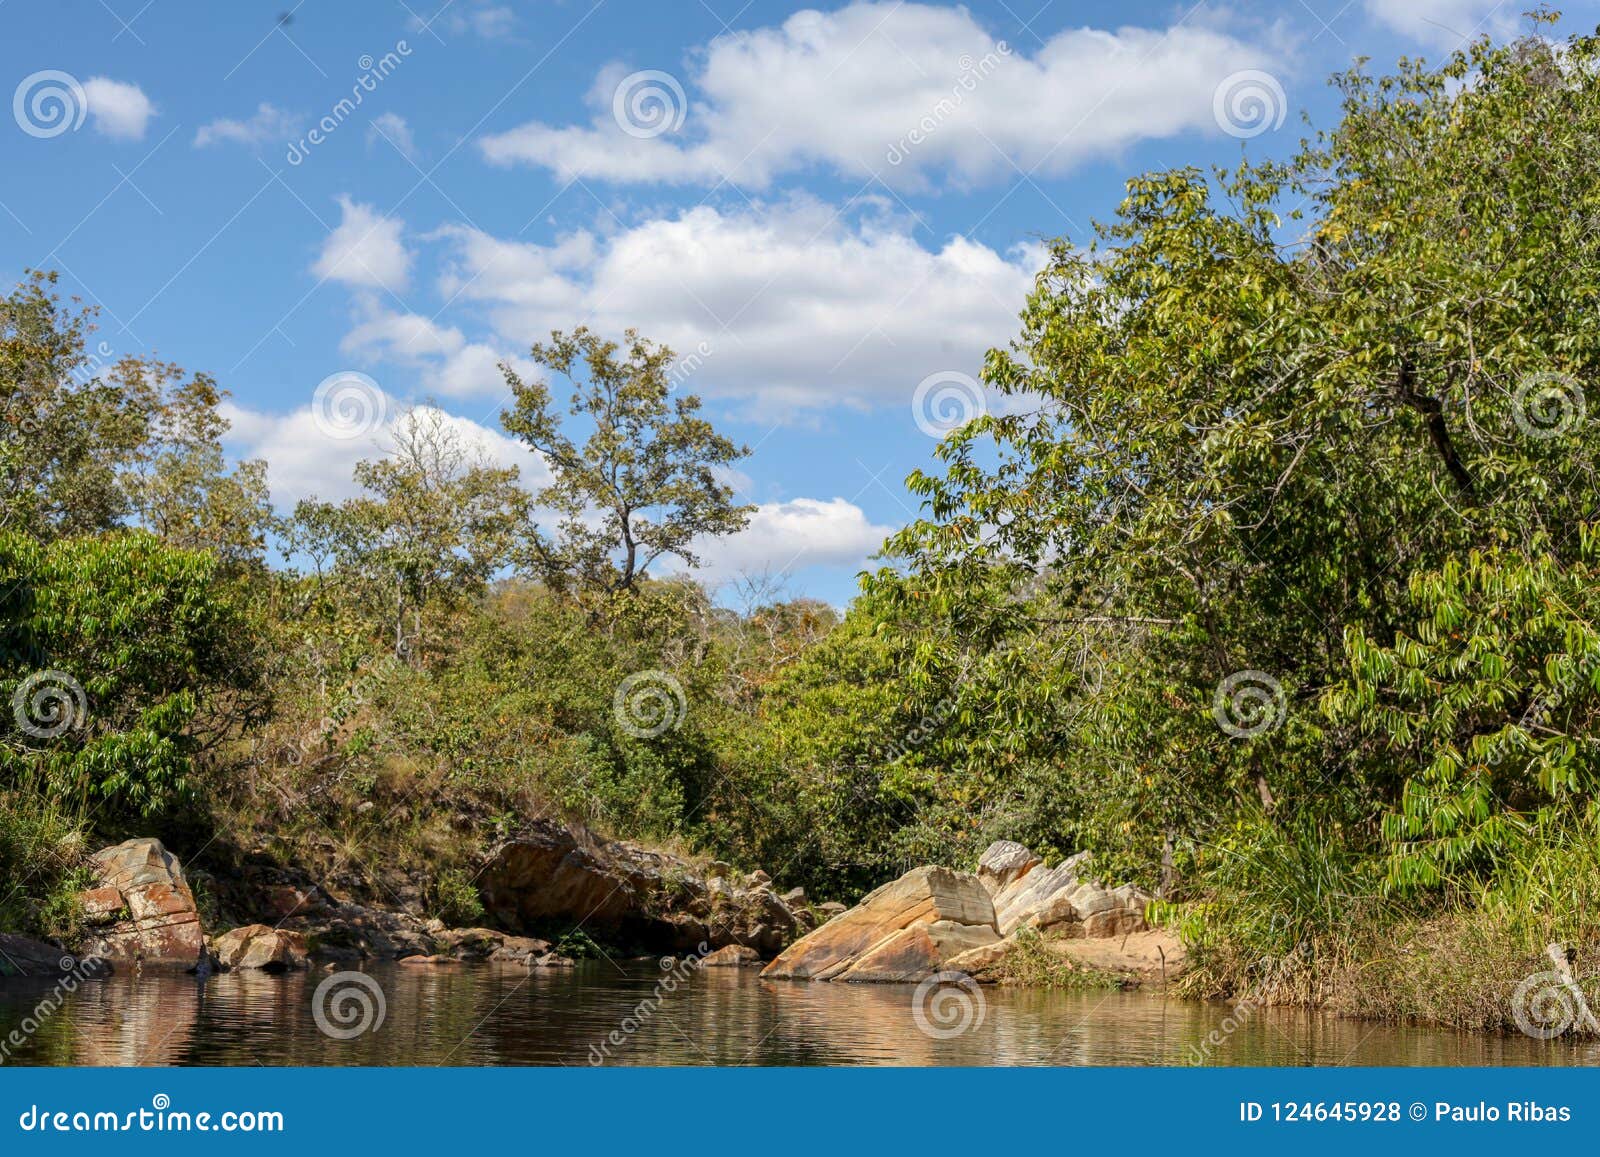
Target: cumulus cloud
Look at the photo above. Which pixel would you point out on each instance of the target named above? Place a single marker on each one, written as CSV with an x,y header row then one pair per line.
x,y
269,125
785,537
392,128
1444,24
305,459
899,91
118,109
449,364
791,306
366,249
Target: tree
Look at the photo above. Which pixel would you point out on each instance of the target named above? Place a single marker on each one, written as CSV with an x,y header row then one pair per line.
x,y
1243,439
128,661
436,521
643,486
87,444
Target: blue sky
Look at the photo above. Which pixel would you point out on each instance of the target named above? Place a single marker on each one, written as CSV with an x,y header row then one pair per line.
x,y
829,212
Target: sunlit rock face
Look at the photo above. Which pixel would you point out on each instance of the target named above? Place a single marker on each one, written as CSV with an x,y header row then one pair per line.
x,y
144,908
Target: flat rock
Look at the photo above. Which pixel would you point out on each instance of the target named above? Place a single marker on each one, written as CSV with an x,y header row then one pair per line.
x,y
731,956
867,933
21,956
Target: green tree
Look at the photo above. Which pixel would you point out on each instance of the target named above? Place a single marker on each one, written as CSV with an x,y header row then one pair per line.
x,y
435,522
643,486
1260,403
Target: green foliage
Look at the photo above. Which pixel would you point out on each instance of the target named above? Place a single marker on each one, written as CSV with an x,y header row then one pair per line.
x,y
135,659
649,468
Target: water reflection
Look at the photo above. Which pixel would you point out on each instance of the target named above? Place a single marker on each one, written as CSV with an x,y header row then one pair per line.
x,y
487,1016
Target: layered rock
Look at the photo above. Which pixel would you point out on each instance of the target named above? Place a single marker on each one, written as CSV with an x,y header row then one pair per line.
x,y
141,908
1003,862
617,890
1059,901
903,931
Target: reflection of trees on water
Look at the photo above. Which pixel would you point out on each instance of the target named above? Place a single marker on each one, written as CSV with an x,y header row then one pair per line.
x,y
506,1016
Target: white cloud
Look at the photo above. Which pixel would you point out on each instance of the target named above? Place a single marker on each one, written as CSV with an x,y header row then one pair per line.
x,y
1444,24
785,537
366,249
303,459
792,306
118,109
270,124
481,17
848,89
392,128
449,363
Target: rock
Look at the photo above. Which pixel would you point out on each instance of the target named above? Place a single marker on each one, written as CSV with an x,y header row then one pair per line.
x,y
101,905
731,956
21,956
553,874
258,946
795,897
474,944
433,959
1031,891
952,908
916,953
1004,861
162,926
830,909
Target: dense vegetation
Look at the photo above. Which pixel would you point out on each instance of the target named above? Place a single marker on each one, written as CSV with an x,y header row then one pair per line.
x,y
1274,586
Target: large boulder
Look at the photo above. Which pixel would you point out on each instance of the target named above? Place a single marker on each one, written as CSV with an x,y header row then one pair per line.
x,y
153,919
904,931
553,875
258,946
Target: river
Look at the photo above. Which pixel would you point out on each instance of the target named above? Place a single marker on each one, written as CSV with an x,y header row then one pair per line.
x,y
625,1014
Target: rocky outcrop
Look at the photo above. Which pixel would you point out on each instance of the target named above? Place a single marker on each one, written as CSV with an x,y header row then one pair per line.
x,y
903,931
933,919
258,946
615,890
141,908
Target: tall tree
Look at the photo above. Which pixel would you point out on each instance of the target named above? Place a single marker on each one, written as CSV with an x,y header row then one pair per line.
x,y
644,484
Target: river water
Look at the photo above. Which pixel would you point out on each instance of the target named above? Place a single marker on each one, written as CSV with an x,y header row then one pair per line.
x,y
639,1014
